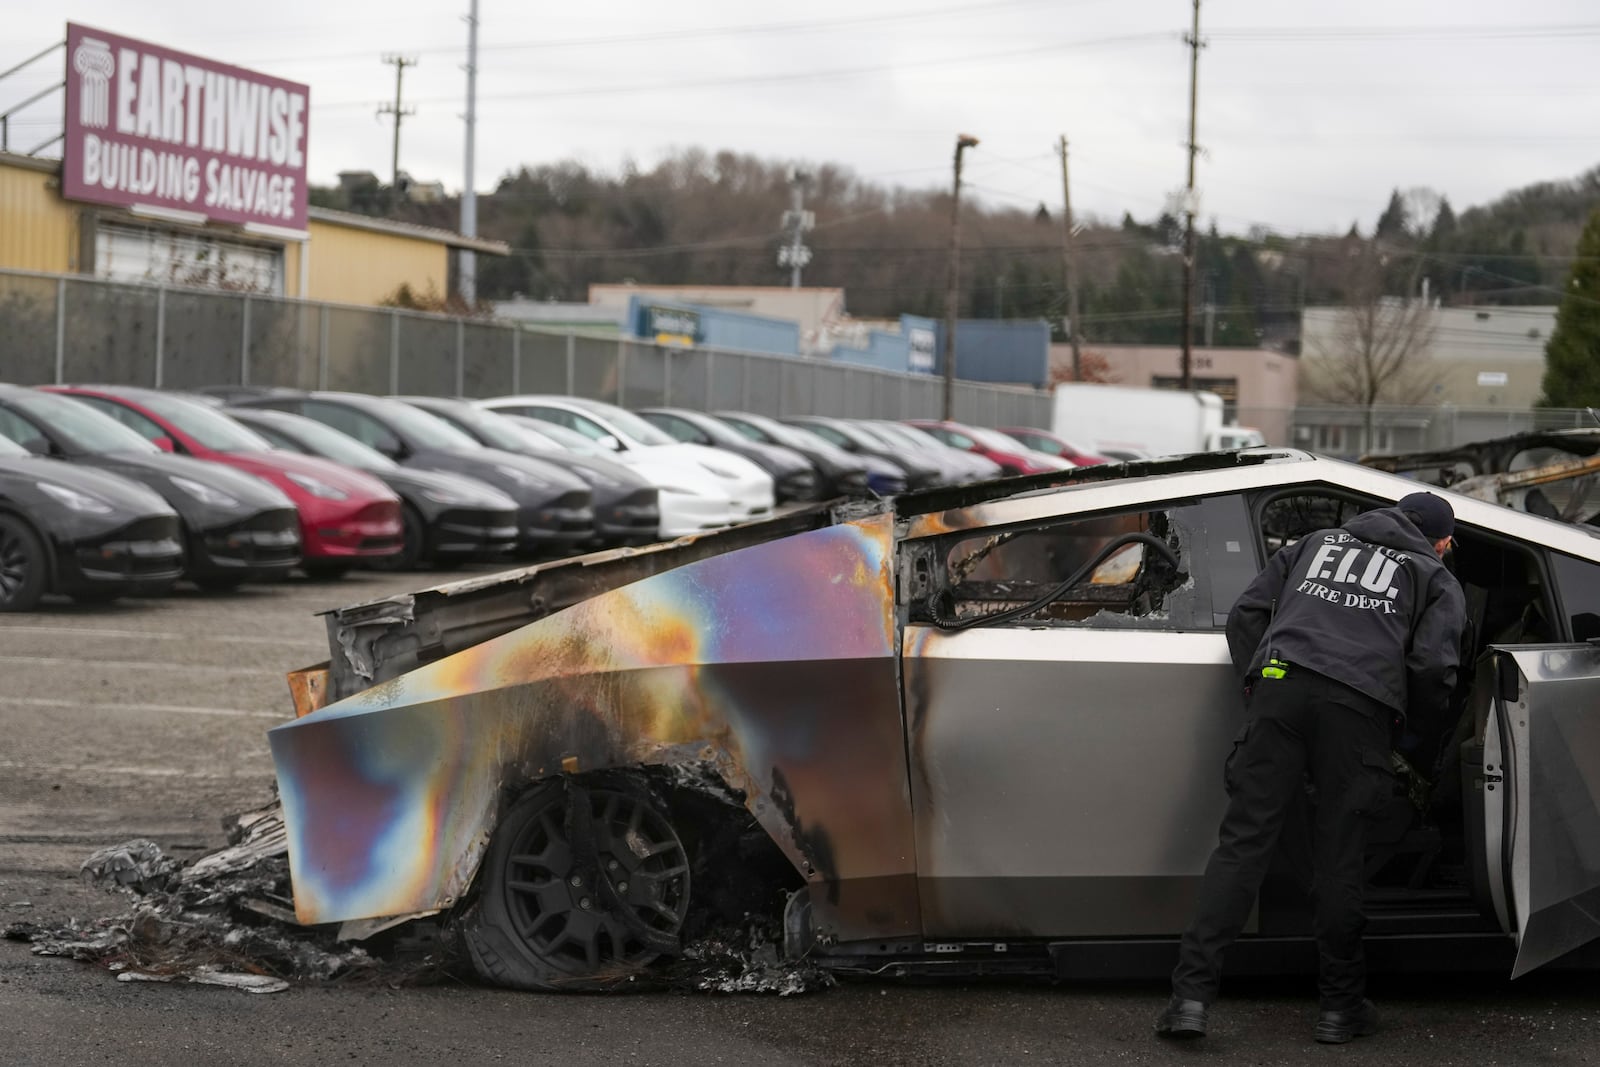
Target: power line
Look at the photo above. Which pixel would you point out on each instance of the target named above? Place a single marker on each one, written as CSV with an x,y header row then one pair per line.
x,y
806,75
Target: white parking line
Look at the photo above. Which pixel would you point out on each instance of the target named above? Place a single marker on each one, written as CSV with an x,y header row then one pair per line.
x,y
176,709
132,772
136,664
154,635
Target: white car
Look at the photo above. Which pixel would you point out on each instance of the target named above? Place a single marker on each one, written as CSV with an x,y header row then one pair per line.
x,y
690,477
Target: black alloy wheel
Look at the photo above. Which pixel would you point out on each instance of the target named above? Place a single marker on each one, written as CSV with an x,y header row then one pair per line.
x,y
22,565
582,887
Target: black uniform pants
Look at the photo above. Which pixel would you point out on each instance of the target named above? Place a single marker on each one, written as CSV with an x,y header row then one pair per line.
x,y
1303,722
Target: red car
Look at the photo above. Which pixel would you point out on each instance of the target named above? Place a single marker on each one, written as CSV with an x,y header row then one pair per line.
x,y
1012,456
1048,443
345,515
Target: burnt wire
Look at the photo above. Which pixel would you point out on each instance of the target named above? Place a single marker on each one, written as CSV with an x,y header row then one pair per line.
x,y
938,602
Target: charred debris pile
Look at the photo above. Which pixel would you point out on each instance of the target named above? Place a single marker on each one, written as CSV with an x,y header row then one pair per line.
x,y
226,918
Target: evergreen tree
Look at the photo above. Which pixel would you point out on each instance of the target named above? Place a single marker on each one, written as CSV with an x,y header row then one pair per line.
x,y
1392,223
1572,356
1444,226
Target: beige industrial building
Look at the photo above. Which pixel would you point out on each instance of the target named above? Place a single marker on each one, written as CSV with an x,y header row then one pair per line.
x,y
339,257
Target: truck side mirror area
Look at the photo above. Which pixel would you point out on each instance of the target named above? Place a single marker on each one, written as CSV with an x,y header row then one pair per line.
x,y
165,443
37,445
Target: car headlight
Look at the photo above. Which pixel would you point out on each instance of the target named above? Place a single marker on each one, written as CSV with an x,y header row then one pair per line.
x,y
75,500
317,487
205,493
522,477
720,472
680,490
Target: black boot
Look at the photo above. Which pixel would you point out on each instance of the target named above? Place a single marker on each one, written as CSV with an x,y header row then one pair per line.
x,y
1337,1027
1182,1019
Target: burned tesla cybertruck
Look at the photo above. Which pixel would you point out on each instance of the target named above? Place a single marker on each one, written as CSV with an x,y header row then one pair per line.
x,y
1553,473
969,730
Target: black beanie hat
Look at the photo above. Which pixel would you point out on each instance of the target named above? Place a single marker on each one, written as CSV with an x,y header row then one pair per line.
x,y
1433,514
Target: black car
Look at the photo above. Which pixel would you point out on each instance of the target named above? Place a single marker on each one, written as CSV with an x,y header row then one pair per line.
x,y
235,527
554,512
838,472
446,517
793,476
920,473
627,508
86,533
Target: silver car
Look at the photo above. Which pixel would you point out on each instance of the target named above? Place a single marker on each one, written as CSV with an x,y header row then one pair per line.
x,y
969,730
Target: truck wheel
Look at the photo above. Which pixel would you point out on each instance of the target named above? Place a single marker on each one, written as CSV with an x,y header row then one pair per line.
x,y
583,887
22,565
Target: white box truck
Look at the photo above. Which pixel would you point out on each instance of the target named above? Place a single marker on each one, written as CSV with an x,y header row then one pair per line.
x,y
1124,422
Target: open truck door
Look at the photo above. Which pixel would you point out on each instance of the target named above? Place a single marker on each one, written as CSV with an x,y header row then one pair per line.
x,y
1541,796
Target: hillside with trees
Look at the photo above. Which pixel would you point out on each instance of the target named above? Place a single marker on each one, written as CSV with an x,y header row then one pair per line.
x,y
713,218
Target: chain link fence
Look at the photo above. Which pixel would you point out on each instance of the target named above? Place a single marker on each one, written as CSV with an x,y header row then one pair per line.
x,y
67,328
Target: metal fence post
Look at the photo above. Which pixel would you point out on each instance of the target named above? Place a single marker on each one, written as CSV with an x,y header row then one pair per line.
x,y
516,359
710,399
994,394
394,352
244,343
461,356
622,372
161,330
669,357
572,360
61,330
783,391
744,381
322,347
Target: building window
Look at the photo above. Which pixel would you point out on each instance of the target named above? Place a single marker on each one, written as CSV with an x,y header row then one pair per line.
x,y
169,257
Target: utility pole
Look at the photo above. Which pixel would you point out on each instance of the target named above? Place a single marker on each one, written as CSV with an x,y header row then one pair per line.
x,y
468,262
400,65
795,255
1193,41
952,293
1069,272
1210,310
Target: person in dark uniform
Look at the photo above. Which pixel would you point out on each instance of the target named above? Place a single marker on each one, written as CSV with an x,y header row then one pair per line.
x,y
1343,634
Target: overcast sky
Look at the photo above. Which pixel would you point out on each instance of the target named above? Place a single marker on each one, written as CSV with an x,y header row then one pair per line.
x,y
1309,113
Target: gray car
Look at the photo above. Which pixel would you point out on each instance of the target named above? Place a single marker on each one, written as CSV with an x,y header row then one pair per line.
x,y
971,730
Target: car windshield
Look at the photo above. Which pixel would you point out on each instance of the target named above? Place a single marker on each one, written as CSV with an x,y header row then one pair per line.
x,y
429,431
495,430
211,428
913,435
630,424
85,428
329,443
758,429
561,437
993,440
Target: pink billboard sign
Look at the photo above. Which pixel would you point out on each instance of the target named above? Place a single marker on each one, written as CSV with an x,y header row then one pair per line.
x,y
156,129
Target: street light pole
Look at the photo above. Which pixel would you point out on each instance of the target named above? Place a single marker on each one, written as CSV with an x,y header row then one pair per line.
x,y
952,295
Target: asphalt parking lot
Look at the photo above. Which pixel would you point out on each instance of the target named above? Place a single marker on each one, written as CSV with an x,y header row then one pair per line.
x,y
149,719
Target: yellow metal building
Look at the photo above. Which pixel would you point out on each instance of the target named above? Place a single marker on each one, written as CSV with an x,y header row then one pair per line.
x,y
341,257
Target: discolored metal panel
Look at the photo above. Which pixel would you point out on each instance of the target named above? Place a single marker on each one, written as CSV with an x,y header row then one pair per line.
x,y
773,665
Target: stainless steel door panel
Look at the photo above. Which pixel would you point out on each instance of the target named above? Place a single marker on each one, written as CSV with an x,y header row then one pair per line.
x,y
1065,781
1551,749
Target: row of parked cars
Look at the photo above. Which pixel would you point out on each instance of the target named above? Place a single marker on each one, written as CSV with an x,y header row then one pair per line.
x,y
108,491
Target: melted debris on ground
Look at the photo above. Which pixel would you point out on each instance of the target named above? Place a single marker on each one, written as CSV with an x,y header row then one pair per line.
x,y
745,958
226,918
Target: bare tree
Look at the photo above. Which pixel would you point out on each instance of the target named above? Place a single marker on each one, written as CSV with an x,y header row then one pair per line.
x,y
1377,351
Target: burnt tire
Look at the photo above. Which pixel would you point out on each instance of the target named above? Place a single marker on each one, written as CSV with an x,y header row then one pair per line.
x,y
24,565
584,886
